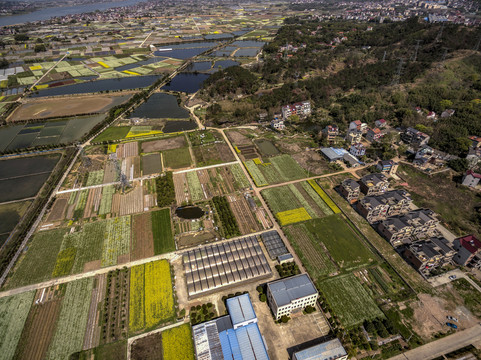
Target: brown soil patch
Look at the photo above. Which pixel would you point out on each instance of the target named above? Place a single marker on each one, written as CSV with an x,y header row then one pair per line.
x,y
58,210
45,108
246,220
38,331
289,148
238,138
312,162
164,144
142,238
186,241
128,203
225,153
123,259
430,312
148,348
92,265
181,188
127,150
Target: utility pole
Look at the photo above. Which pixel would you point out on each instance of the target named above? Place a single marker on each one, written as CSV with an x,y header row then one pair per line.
x,y
384,56
440,33
476,48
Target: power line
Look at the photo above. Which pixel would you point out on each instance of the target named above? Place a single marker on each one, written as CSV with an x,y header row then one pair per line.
x,y
440,33
476,48
415,56
397,76
384,56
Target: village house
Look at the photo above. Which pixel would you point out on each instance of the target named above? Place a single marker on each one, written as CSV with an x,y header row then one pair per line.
x,y
387,166
403,229
373,134
350,189
354,136
330,132
357,150
414,137
373,184
471,179
278,124
476,141
429,254
357,125
300,109
469,251
380,207
381,123
447,113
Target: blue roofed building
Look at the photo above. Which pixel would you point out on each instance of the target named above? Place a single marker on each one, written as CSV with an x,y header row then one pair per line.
x,y
291,294
329,350
234,337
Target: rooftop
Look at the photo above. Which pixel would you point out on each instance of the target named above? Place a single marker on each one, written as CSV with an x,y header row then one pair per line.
x,y
240,309
470,243
286,290
328,350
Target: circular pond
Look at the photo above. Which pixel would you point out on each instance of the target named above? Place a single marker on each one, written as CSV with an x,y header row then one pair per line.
x,y
189,212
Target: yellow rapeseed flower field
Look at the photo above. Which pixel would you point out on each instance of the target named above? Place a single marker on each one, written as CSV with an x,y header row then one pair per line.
x,y
151,295
293,216
103,64
177,343
324,196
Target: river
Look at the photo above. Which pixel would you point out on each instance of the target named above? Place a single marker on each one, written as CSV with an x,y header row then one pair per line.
x,y
47,13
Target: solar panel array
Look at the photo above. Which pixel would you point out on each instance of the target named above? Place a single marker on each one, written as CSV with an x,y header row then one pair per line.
x,y
213,266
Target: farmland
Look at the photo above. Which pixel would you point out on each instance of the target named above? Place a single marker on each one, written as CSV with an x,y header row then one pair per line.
x,y
275,170
116,240
40,325
230,228
151,164
212,154
13,313
142,237
177,158
72,321
162,232
147,348
177,343
151,296
349,301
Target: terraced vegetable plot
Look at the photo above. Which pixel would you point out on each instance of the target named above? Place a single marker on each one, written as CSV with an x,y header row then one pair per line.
x,y
195,189
106,200
95,178
349,301
240,179
151,296
13,313
72,321
177,158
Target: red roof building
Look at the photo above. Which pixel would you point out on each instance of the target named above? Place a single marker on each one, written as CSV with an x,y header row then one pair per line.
x,y
469,251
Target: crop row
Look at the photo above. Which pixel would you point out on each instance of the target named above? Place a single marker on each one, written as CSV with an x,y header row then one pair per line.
x,y
241,181
177,343
195,188
106,200
227,218
116,240
255,173
95,178
324,197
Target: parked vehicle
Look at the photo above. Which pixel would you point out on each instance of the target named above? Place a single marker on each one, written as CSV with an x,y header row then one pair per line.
x,y
451,318
454,326
452,277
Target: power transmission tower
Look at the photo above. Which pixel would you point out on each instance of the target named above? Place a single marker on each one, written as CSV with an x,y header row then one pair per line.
x,y
476,48
440,33
415,56
384,56
397,76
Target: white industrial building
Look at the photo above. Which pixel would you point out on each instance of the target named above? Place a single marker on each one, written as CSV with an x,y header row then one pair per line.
x,y
291,294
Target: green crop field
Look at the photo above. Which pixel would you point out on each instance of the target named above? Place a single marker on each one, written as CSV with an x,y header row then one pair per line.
x,y
177,158
162,232
39,261
255,173
280,199
349,301
95,177
241,181
311,252
79,208
275,170
106,200
116,240
287,168
72,321
195,189
65,260
343,244
13,313
112,133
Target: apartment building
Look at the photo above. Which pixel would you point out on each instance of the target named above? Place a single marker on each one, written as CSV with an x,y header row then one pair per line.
x,y
373,184
469,251
301,109
380,207
350,189
429,254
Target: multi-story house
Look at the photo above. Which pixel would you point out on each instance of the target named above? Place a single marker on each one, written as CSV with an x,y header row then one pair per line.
x,y
350,189
357,150
414,137
278,124
403,229
301,109
391,203
354,136
427,255
357,125
330,132
380,123
469,251
373,135
387,166
471,179
291,294
373,184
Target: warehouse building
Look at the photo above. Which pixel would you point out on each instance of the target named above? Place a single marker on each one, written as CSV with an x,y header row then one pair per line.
x,y
274,245
291,294
329,350
234,336
213,266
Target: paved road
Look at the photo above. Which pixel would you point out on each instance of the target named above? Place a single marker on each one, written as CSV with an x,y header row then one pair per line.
x,y
444,345
444,279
